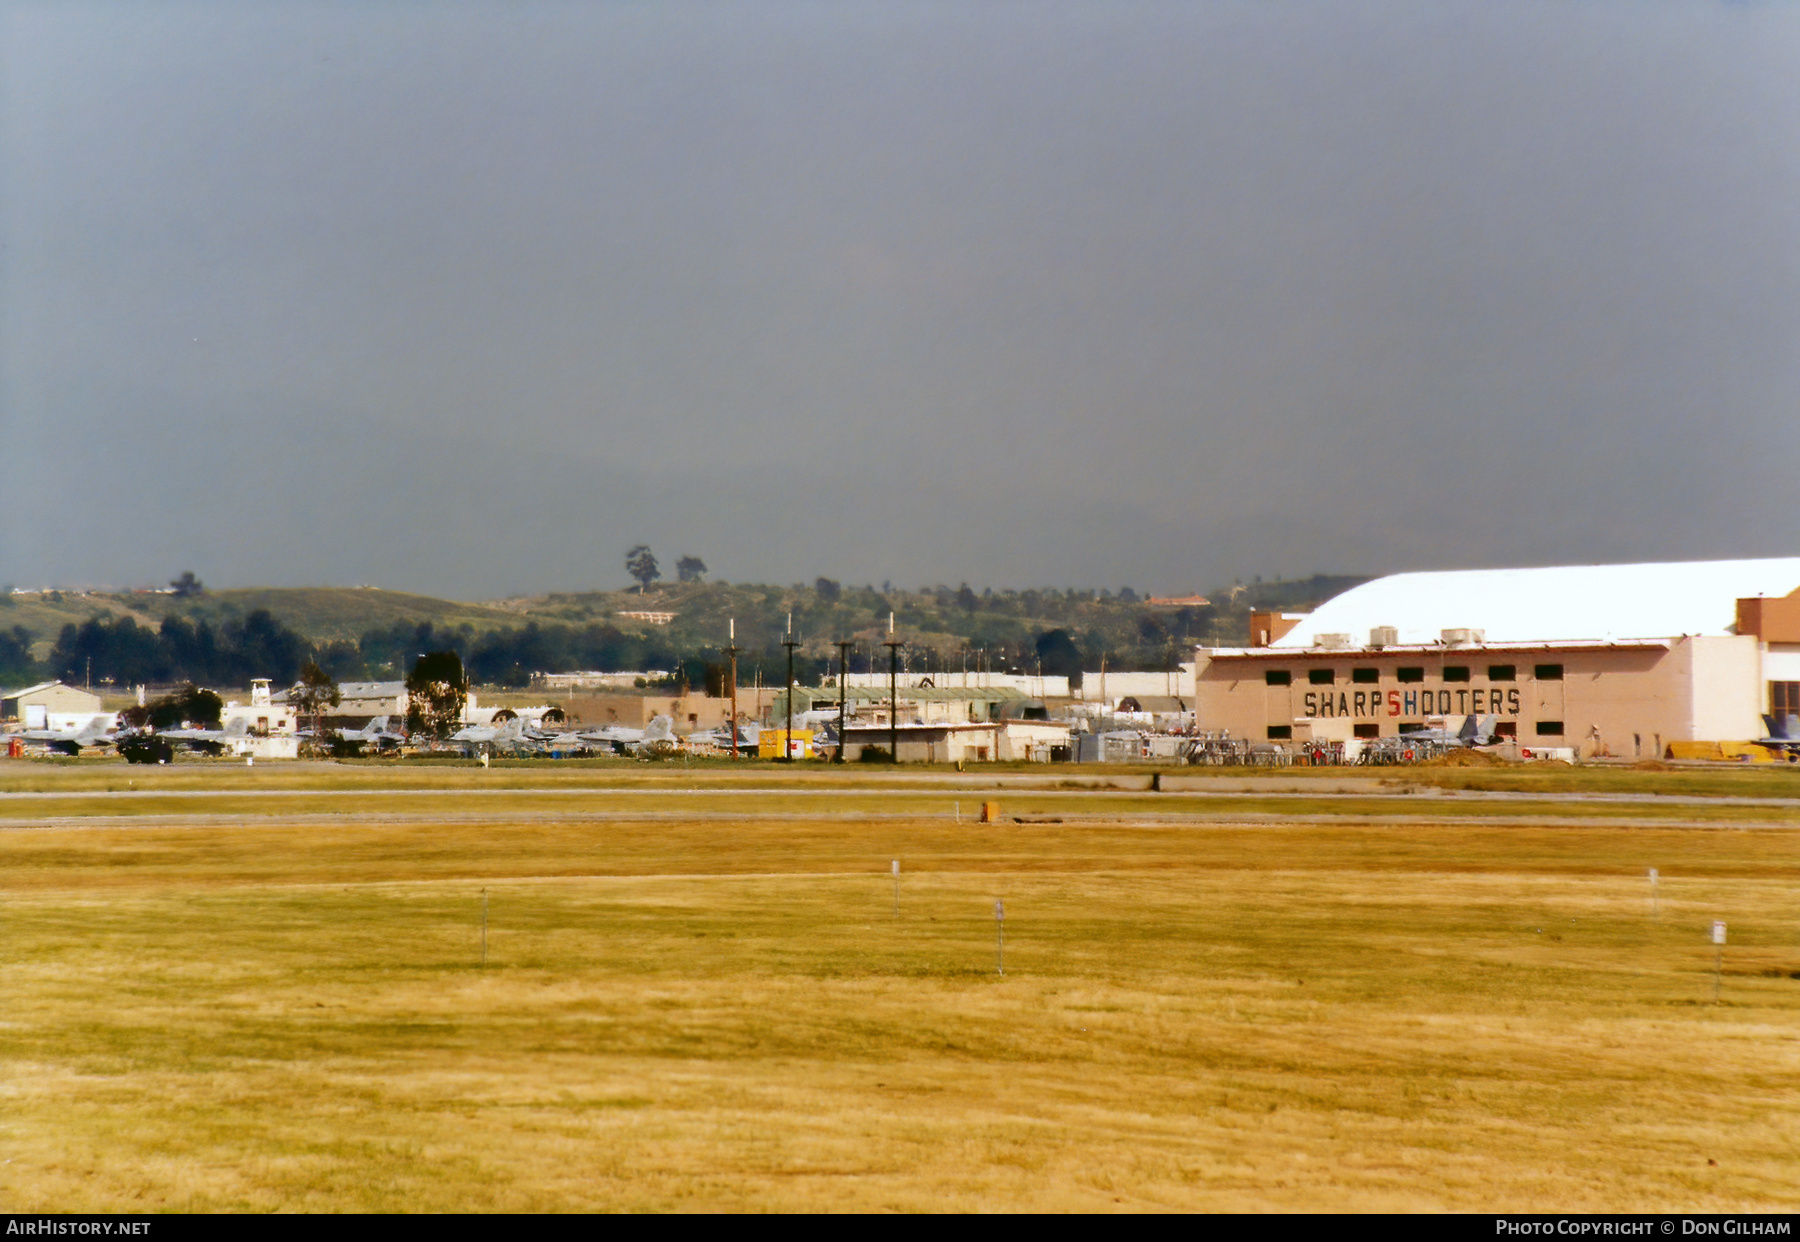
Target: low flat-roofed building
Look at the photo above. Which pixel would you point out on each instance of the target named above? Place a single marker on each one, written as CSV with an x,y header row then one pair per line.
x,y
1110,686
928,743
591,680
1032,685
1620,660
48,705
915,704
690,713
1034,741
359,702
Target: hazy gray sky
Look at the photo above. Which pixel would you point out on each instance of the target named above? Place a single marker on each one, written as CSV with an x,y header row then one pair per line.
x,y
467,298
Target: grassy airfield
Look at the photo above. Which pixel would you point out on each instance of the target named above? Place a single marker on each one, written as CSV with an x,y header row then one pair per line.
x,y
234,989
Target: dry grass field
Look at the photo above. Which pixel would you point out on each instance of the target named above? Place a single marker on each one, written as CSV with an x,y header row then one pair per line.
x,y
264,990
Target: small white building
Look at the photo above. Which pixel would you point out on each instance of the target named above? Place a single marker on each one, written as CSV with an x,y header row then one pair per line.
x,y
262,714
1034,741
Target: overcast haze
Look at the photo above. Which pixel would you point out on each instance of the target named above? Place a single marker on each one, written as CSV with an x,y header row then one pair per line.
x,y
467,299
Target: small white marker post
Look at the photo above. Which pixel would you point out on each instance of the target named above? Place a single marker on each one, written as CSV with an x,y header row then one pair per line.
x,y
896,888
999,938
484,927
1718,939
1655,910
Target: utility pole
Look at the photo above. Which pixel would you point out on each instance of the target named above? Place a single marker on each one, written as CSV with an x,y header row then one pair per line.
x,y
843,680
732,652
893,645
787,736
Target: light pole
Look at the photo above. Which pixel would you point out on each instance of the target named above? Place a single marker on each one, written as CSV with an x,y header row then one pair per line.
x,y
732,652
843,680
787,736
893,645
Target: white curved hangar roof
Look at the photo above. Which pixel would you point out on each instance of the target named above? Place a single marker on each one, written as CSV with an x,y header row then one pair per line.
x,y
1568,603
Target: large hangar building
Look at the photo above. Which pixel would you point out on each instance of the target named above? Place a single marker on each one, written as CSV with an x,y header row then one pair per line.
x,y
1620,660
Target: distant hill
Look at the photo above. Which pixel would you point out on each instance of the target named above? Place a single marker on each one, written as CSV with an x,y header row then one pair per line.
x,y
943,626
942,618
327,613
322,614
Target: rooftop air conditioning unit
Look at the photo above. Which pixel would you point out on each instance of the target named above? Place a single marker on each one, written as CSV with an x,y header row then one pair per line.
x,y
1332,642
1384,636
1462,638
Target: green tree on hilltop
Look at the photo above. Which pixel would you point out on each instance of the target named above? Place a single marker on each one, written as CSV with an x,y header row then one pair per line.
x,y
640,563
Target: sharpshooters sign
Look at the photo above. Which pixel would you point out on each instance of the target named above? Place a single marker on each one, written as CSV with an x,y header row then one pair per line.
x,y
1463,701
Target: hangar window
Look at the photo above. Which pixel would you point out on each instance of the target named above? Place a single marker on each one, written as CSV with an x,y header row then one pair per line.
x,y
1502,672
1456,672
1280,733
1277,677
1784,698
1507,728
1549,728
1406,675
1412,726
1365,676
1368,730
1548,672
1320,677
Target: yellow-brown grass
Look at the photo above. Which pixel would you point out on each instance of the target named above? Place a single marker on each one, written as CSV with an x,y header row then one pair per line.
x,y
715,1012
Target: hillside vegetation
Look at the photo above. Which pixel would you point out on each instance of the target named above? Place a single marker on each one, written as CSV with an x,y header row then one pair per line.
x,y
129,638
943,623
322,614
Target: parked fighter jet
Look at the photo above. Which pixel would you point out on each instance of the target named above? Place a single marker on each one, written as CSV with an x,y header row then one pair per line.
x,y
656,738
376,733
720,738
616,738
95,732
513,728
659,739
208,741
559,744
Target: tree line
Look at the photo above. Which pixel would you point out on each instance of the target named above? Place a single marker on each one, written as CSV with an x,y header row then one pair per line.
x,y
1033,631
119,651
